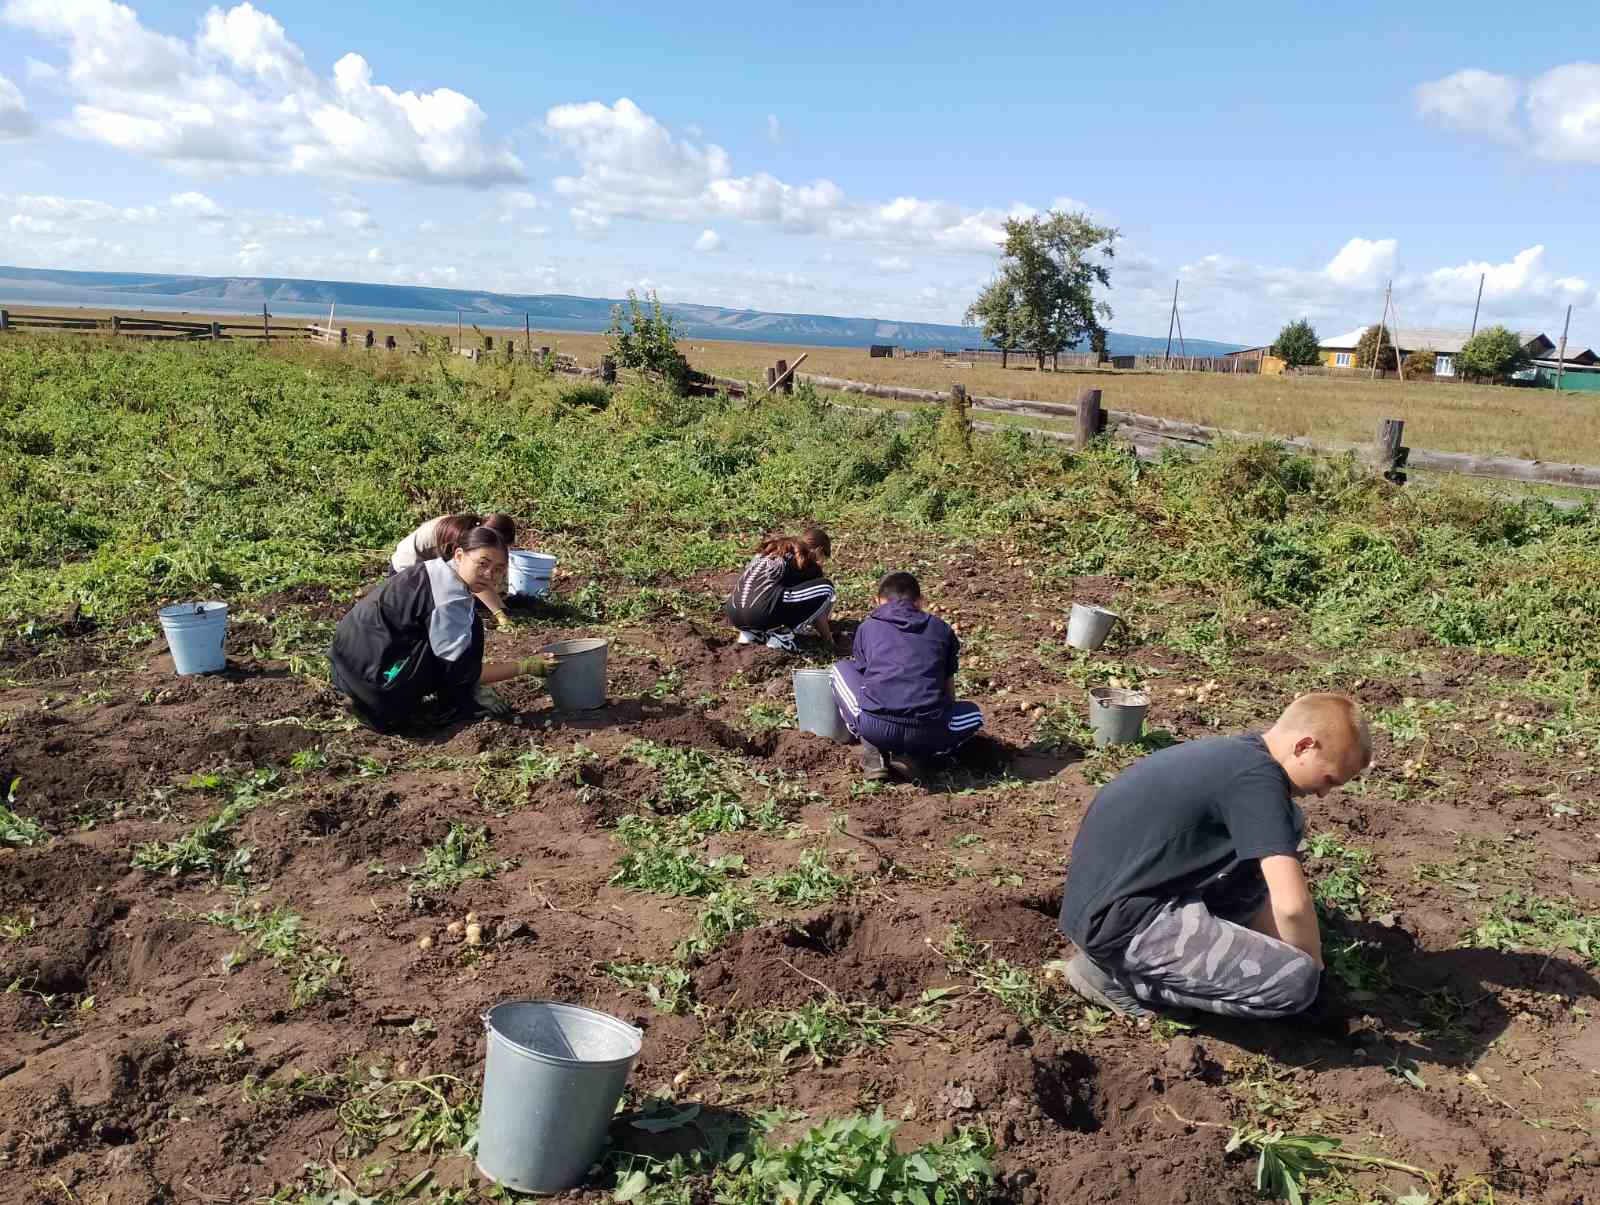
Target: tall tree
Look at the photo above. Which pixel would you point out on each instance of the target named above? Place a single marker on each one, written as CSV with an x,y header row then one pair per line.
x,y
1492,354
1296,344
1375,343
995,312
1051,263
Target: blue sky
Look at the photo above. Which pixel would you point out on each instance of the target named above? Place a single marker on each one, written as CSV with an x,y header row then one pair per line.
x,y
819,158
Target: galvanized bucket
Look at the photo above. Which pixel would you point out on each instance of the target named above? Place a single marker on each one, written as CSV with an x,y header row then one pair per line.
x,y
815,706
1117,716
578,682
1088,626
551,1081
194,633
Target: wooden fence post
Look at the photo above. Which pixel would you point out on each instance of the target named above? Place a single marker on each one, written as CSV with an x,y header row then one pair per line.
x,y
389,343
544,353
216,331
116,324
1091,419
772,376
779,377
371,340
608,370
344,335
488,343
5,319
957,422
1389,456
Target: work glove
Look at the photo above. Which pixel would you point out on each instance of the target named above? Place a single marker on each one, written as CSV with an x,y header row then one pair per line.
x,y
538,667
491,701
502,619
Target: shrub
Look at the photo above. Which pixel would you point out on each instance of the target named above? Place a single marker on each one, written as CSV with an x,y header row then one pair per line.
x,y
1492,354
1375,342
648,342
1420,364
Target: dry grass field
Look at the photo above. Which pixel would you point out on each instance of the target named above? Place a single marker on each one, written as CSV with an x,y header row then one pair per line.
x,y
1536,424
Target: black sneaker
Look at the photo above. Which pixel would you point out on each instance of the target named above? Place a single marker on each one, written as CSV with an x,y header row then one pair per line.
x,y
872,762
910,768
1097,987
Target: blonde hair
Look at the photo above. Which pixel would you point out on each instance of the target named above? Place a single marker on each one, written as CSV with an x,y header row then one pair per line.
x,y
1337,721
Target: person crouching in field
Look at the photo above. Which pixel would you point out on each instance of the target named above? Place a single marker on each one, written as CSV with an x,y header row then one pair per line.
x,y
418,634
437,536
898,694
782,594
1185,891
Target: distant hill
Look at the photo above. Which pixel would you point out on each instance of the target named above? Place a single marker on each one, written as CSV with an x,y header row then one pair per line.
x,y
244,294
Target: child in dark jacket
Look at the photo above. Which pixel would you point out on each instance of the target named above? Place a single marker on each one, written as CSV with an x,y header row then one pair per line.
x,y
898,694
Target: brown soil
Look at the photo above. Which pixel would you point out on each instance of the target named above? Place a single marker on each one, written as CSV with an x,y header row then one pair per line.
x,y
140,1098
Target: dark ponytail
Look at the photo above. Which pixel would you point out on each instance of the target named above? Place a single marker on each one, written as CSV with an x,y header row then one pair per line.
x,y
480,537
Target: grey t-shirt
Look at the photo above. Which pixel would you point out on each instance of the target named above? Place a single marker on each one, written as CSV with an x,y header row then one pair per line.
x,y
1174,822
418,546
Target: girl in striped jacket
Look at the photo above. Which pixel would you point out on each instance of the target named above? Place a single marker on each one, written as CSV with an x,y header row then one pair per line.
x,y
782,594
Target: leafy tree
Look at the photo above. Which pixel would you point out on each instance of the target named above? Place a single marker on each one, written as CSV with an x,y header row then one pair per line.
x,y
996,312
1097,344
1375,343
1492,354
1421,363
1050,264
649,341
1297,345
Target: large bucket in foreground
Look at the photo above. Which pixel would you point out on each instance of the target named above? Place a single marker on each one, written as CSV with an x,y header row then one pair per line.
x,y
529,573
1117,716
551,1081
1088,627
815,707
578,682
194,633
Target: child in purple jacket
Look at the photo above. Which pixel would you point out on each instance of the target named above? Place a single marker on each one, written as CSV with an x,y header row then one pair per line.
x,y
898,694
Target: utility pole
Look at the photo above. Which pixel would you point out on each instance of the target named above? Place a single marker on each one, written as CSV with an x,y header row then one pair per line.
x,y
1377,350
1171,318
1561,352
1477,303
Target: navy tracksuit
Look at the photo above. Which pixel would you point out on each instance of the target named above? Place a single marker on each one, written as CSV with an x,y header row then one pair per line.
x,y
893,694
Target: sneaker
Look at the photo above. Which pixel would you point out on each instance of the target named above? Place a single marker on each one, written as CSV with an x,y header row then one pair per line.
x,y
751,637
872,763
783,641
908,767
1096,986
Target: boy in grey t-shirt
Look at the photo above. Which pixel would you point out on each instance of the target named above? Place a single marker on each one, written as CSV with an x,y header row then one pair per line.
x,y
1184,888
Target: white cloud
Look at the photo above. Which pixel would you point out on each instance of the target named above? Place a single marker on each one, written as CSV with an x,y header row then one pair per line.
x,y
241,95
1472,101
68,209
709,240
1362,262
356,218
196,203
40,73
897,264
631,166
15,120
1554,116
1525,277
774,129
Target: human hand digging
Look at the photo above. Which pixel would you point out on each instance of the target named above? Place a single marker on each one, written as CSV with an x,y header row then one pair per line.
x,y
540,666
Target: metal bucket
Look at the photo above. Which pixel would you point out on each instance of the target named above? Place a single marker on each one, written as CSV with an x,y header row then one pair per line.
x,y
1117,716
551,1082
194,633
815,705
1088,626
529,573
578,682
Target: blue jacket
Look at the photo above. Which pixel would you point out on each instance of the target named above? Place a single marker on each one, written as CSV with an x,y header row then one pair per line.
x,y
905,656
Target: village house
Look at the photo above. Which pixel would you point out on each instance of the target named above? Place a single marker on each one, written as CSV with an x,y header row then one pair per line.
x,y
1340,350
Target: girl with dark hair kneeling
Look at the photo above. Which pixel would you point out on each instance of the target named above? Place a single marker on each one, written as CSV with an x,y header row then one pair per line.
x,y
782,594
418,634
439,537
